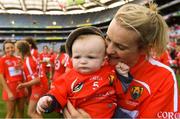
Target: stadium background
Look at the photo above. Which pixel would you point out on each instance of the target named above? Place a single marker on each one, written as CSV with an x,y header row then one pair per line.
x,y
49,22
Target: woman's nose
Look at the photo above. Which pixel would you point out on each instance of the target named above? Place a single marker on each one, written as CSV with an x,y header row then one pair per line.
x,y
110,48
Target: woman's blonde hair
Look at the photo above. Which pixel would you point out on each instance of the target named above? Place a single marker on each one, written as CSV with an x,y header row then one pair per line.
x,y
150,26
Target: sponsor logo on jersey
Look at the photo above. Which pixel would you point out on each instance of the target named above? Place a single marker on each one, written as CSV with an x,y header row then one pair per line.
x,y
8,62
136,92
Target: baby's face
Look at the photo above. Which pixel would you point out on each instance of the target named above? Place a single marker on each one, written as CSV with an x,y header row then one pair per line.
x,y
88,52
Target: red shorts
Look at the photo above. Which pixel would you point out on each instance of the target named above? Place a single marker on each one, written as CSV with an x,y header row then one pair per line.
x,y
18,93
37,92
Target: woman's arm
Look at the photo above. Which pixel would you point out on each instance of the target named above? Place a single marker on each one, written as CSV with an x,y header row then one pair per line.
x,y
29,83
6,88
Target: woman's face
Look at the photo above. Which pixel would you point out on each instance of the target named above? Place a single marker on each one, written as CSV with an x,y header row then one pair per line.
x,y
122,44
18,53
45,50
9,49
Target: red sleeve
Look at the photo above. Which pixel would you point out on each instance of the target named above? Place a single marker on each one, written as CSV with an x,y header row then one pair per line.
x,y
1,66
36,54
118,87
164,100
31,69
59,90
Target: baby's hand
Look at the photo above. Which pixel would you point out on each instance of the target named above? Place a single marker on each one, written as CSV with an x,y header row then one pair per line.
x,y
122,69
43,103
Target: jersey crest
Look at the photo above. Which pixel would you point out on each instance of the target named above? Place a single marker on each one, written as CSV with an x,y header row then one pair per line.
x,y
111,79
136,92
76,87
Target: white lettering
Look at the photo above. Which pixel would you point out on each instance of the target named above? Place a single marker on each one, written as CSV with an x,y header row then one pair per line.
x,y
96,78
164,115
168,115
159,114
95,85
176,115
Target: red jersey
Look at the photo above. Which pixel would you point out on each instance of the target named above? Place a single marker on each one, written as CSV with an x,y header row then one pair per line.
x,y
44,58
152,92
165,58
35,53
32,70
60,63
11,69
95,93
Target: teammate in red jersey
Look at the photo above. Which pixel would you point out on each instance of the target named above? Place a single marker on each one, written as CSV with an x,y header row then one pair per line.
x,y
33,47
35,78
10,76
133,33
45,59
61,62
92,83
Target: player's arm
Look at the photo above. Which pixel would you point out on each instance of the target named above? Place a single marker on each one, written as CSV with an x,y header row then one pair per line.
x,y
5,87
34,81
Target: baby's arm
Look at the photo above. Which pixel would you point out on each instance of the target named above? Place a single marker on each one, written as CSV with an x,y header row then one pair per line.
x,y
122,69
122,72
46,104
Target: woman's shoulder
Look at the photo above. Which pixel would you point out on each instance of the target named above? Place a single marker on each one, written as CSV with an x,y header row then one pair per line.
x,y
160,67
152,71
159,73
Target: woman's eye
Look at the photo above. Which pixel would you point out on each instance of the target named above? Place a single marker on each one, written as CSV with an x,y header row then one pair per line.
x,y
76,57
120,47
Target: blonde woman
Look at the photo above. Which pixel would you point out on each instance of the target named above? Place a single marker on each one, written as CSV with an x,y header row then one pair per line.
x,y
133,33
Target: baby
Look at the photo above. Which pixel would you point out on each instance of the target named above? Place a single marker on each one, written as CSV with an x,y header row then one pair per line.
x,y
92,83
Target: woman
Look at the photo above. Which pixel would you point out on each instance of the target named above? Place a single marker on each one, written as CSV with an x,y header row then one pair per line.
x,y
10,76
44,59
35,78
60,63
33,47
133,33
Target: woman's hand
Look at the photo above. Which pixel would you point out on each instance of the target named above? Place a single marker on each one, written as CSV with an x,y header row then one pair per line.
x,y
20,86
10,96
71,112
